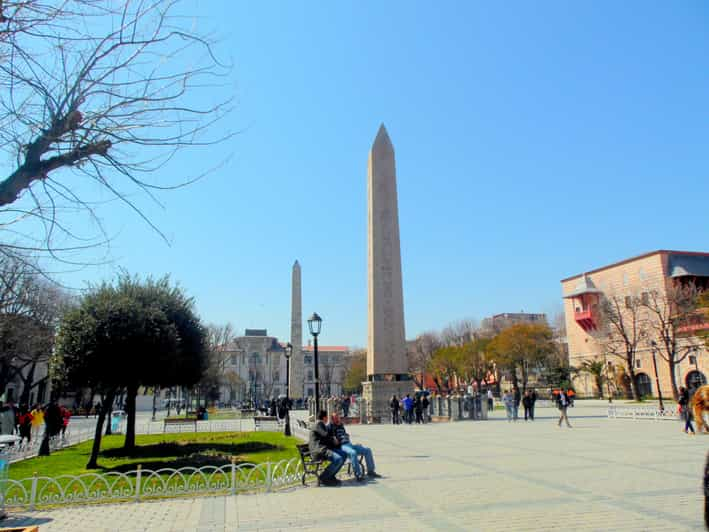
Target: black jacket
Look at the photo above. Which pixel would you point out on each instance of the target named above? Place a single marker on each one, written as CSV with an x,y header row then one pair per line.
x,y
320,440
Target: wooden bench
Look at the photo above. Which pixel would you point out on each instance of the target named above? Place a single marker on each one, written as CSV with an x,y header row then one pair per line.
x,y
266,423
180,423
311,466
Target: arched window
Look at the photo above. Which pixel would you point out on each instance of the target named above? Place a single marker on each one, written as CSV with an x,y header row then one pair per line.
x,y
643,383
694,380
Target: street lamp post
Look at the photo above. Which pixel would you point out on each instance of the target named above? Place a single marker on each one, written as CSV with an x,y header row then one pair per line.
x,y
288,352
657,378
314,324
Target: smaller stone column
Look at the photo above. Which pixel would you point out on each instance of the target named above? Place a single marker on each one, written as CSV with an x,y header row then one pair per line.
x,y
454,403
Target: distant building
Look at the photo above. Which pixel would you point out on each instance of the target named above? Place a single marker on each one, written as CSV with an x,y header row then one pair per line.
x,y
501,321
255,368
332,365
637,277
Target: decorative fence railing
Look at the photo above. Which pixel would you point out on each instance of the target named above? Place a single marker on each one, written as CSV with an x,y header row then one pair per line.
x,y
219,425
25,449
39,491
642,412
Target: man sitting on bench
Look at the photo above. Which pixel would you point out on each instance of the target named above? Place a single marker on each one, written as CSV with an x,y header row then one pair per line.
x,y
322,446
352,449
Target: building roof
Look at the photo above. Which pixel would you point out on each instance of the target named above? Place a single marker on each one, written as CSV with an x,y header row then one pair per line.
x,y
585,286
638,257
330,348
689,265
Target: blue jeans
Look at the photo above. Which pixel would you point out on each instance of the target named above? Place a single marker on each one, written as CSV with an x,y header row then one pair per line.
x,y
352,450
337,460
510,412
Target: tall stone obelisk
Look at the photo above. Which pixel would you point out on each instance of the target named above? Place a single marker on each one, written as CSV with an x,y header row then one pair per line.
x,y
387,368
297,373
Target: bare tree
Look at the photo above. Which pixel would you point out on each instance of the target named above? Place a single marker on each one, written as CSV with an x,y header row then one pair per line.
x,y
670,312
30,309
96,95
219,339
460,332
420,353
626,329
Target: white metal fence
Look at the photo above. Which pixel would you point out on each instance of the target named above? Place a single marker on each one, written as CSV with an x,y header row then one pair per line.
x,y
642,412
38,491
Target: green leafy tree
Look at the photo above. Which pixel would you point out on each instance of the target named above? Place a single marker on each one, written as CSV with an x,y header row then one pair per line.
x,y
126,335
444,365
356,372
522,346
596,369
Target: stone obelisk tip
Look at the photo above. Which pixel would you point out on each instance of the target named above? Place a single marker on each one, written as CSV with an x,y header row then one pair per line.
x,y
382,141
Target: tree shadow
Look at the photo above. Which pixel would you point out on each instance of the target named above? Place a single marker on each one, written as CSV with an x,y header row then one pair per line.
x,y
175,455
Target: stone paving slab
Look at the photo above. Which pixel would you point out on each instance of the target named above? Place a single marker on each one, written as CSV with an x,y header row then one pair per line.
x,y
601,475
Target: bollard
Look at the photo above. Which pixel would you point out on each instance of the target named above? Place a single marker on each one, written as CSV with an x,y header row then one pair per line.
x,y
233,475
138,476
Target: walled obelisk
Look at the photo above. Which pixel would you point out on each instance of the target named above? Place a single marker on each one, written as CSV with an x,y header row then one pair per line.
x,y
297,373
387,368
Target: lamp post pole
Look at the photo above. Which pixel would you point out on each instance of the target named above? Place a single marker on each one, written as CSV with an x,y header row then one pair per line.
x,y
657,378
314,324
288,353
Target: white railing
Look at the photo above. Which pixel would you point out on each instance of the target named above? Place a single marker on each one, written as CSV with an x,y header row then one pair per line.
x,y
219,425
25,449
38,491
642,412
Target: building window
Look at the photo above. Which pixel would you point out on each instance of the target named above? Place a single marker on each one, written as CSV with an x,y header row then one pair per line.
x,y
638,363
645,298
628,302
693,359
234,359
308,359
276,376
310,375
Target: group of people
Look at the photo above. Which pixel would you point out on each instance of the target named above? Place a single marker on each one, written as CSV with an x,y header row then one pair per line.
x,y
330,441
28,423
409,409
512,399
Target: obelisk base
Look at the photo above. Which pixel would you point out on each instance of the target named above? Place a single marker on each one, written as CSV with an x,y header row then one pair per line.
x,y
377,395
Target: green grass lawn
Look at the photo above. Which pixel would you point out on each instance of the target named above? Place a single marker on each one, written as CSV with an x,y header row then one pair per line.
x,y
157,451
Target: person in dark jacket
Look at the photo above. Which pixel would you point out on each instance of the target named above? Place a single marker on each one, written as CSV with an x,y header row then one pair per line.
x,y
685,411
424,405
418,409
322,445
517,399
527,403
394,406
533,396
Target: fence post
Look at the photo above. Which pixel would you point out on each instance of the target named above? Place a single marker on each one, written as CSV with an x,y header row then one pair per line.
x,y
233,475
33,491
269,479
138,476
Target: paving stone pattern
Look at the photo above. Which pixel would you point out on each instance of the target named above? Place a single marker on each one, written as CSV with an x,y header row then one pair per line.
x,y
601,475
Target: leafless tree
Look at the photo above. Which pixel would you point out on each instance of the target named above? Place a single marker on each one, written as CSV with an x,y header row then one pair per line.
x,y
420,352
460,332
219,340
670,312
30,308
96,96
624,323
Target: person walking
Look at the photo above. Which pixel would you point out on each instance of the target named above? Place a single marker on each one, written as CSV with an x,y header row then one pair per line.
x,y
533,396
685,411
489,400
408,408
346,406
517,400
418,409
508,400
37,421
394,407
527,404
425,405
563,407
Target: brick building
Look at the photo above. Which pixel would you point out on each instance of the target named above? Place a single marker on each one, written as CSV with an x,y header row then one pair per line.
x,y
636,279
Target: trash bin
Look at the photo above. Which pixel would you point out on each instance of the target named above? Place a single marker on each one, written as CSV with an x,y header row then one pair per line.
x,y
4,465
115,423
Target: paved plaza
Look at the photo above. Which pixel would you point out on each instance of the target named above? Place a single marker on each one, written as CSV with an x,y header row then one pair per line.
x,y
601,475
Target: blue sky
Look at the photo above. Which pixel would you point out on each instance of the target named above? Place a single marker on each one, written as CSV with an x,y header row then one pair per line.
x,y
533,140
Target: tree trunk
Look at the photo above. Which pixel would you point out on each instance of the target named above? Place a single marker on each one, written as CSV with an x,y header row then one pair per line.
x,y
108,416
27,385
599,385
673,379
107,400
131,393
631,375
